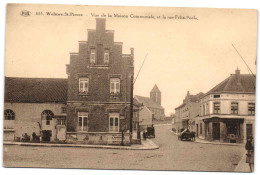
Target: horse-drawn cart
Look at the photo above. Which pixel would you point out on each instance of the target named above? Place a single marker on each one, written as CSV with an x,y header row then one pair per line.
x,y
187,135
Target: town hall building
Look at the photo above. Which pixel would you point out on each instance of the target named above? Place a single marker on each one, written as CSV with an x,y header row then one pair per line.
x,y
91,106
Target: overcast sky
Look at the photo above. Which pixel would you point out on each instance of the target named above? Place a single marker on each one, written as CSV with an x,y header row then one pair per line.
x,y
183,54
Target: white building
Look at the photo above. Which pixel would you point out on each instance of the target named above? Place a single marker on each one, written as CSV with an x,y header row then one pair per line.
x,y
227,112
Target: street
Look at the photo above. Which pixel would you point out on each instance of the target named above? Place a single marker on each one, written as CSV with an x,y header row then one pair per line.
x,y
171,155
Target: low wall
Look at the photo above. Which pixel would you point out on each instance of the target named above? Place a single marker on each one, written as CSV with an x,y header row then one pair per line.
x,y
97,138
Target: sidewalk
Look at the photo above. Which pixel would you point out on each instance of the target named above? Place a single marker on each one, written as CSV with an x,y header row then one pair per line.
x,y
198,140
242,165
146,145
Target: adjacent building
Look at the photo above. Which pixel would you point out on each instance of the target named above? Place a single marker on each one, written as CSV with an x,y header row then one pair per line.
x,y
185,113
92,104
153,103
227,112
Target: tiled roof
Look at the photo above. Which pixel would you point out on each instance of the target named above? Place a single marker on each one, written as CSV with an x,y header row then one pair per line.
x,y
35,90
196,97
242,83
148,102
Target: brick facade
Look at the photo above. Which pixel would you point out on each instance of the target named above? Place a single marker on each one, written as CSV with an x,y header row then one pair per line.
x,y
98,102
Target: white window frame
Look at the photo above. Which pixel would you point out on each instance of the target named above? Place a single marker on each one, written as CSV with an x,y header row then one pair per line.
x,y
251,112
114,116
92,56
61,121
84,81
114,81
83,116
106,56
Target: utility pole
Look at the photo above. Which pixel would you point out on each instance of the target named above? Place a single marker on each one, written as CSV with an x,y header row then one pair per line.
x,y
131,107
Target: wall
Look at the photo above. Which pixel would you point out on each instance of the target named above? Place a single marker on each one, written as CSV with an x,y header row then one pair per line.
x,y
145,117
28,114
98,100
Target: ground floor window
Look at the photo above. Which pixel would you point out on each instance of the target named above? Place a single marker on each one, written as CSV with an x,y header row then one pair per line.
x,y
9,114
47,115
82,121
200,128
113,122
61,121
233,128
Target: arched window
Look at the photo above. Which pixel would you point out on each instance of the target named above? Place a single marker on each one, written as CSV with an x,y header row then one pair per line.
x,y
9,114
47,115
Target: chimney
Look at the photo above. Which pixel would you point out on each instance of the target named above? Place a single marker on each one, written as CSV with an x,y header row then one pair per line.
x,y
238,76
100,24
132,51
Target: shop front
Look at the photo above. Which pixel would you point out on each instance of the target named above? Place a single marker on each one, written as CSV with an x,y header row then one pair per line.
x,y
228,130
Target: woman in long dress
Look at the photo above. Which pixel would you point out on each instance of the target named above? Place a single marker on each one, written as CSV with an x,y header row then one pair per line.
x,y
250,153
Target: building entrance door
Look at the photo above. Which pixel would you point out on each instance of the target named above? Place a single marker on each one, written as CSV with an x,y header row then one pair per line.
x,y
197,130
249,130
216,131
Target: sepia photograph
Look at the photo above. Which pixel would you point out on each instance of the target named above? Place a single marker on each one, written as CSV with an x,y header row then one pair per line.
x,y
129,88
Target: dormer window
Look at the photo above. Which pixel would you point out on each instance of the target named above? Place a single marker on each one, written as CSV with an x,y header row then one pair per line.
x,y
83,85
92,56
106,56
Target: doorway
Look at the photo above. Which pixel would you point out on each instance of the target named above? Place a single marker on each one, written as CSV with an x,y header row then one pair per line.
x,y
197,130
216,131
249,130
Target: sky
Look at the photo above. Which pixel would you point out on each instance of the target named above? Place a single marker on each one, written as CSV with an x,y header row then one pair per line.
x,y
183,54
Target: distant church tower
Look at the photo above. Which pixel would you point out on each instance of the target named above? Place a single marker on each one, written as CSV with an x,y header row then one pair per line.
x,y
155,95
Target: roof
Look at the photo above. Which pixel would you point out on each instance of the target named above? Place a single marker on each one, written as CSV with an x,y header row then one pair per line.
x,y
35,90
148,102
194,98
236,83
155,89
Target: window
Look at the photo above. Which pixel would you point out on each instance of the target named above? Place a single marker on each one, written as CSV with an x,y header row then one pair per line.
x,y
83,121
207,109
92,56
251,108
216,96
106,56
47,115
61,121
216,108
113,122
83,85
63,110
9,114
234,108
200,128
115,85
204,110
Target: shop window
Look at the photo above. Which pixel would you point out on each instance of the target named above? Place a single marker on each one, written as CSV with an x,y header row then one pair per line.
x,y
216,108
114,85
113,122
9,114
82,121
83,85
251,108
234,108
47,115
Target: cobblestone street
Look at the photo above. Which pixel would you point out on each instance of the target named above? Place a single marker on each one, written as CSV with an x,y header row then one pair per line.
x,y
171,155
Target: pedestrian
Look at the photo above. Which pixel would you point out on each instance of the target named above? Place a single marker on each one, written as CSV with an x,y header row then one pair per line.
x,y
250,153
